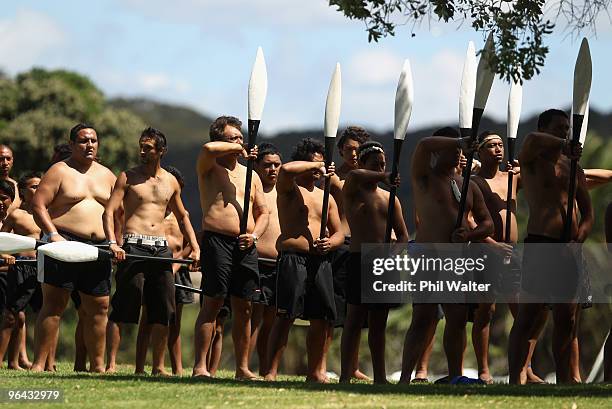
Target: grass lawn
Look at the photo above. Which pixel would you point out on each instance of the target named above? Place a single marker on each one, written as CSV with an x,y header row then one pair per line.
x,y
124,390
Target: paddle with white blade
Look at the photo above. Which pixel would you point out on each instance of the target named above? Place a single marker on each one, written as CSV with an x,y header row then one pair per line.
x,y
11,243
68,251
404,98
582,88
330,129
476,85
258,89
515,102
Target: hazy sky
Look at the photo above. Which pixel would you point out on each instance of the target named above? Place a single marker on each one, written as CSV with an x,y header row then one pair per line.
x,y
199,53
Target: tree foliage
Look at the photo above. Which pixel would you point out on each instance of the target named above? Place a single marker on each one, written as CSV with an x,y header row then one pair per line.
x,y
38,108
519,27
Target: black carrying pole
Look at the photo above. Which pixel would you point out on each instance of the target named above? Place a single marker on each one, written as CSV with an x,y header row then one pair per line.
x,y
253,129
329,153
106,254
473,132
571,193
397,149
509,194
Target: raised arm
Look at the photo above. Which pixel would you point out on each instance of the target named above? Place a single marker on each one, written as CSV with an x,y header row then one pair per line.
x,y
541,145
431,144
597,177
212,150
45,193
288,172
356,177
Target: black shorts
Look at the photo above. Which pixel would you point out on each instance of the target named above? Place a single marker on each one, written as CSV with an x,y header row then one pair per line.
x,y
267,280
148,281
339,272
539,262
227,270
304,287
3,288
183,277
353,285
23,288
91,278
505,278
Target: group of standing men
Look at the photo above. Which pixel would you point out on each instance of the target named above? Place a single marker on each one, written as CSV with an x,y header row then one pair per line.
x,y
281,269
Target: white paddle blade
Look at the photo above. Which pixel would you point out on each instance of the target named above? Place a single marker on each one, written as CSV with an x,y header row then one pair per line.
x,y
14,243
70,251
468,88
583,72
258,86
484,76
515,102
404,98
332,104
585,124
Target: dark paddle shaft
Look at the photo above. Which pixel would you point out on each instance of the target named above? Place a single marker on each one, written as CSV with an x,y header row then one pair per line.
x,y
106,254
509,194
329,153
253,129
397,149
473,132
20,261
571,193
187,288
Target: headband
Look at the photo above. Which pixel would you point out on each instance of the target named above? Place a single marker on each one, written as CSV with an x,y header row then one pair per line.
x,y
487,139
369,150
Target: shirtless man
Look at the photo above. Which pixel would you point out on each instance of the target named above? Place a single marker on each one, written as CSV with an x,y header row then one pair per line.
x,y
267,165
493,184
545,161
229,258
146,193
436,188
180,249
305,282
7,193
68,205
366,207
608,347
349,142
6,165
23,286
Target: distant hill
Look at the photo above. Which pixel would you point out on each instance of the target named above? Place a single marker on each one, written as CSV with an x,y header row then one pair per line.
x,y
187,130
182,126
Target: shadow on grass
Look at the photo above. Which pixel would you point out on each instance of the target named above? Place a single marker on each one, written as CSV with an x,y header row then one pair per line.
x,y
582,390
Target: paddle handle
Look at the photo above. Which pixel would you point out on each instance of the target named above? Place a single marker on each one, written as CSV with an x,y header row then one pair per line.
x,y
397,149
187,288
329,153
571,192
18,261
253,127
509,193
473,133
